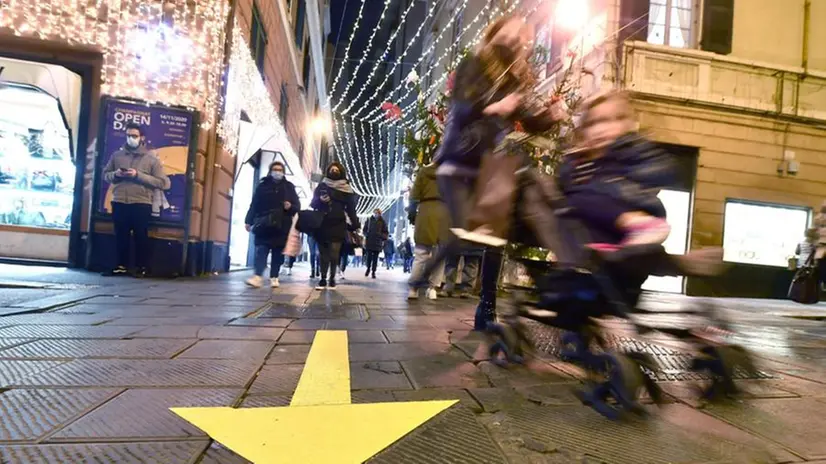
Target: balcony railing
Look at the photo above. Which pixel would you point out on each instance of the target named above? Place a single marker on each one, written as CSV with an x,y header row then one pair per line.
x,y
710,78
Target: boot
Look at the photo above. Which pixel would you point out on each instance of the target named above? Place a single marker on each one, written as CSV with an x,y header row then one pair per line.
x,y
486,310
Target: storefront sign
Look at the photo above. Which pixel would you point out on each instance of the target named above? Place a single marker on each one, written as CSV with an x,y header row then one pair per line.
x,y
168,133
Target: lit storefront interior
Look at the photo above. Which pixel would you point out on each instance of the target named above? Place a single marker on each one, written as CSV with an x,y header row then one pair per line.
x,y
39,112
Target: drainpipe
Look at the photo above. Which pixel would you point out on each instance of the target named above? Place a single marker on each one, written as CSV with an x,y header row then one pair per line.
x,y
807,20
212,147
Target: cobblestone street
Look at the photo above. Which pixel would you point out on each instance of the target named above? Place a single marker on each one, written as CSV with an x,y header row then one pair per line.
x,y
91,378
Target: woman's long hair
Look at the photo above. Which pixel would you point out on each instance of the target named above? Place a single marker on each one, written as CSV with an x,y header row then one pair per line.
x,y
505,67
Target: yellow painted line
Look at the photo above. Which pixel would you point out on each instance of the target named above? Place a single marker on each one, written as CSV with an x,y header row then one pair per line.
x,y
326,375
320,426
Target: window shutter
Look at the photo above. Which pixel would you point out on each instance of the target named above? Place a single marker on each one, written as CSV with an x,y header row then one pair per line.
x,y
634,20
718,26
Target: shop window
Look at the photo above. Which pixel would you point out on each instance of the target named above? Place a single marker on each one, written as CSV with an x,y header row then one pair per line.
x,y
762,234
671,22
258,38
299,23
37,175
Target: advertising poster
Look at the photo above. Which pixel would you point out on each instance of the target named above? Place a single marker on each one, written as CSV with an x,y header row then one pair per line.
x,y
168,133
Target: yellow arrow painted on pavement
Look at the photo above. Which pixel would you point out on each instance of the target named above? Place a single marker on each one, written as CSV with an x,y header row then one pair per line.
x,y
320,425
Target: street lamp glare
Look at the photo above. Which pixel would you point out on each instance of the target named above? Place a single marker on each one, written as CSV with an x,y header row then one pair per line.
x,y
571,14
320,125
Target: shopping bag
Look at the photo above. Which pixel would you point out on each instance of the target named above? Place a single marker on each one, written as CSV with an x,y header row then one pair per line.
x,y
309,221
805,284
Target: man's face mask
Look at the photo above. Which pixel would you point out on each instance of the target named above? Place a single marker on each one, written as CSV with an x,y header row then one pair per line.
x,y
133,141
277,175
334,174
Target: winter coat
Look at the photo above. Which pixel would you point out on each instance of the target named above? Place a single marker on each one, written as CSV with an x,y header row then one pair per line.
x,y
632,171
468,134
269,196
431,223
342,206
375,233
389,248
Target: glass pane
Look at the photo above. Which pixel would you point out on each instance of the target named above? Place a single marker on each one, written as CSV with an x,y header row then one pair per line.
x,y
761,234
680,38
681,17
656,34
37,176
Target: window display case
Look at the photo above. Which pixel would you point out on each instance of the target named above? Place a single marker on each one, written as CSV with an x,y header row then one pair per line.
x,y
37,174
762,234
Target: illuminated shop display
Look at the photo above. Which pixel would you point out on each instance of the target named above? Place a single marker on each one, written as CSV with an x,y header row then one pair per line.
x,y
142,44
37,175
762,234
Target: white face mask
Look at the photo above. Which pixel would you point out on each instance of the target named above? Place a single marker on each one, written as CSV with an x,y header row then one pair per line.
x,y
277,175
133,142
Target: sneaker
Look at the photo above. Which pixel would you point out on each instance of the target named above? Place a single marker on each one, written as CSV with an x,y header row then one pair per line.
x,y
649,231
255,281
274,283
312,275
117,272
412,294
367,272
322,285
374,275
289,271
431,294
332,284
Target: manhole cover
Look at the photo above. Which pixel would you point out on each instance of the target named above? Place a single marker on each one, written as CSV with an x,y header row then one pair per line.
x,y
672,365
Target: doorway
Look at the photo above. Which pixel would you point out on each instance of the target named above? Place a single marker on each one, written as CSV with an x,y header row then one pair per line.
x,y
40,106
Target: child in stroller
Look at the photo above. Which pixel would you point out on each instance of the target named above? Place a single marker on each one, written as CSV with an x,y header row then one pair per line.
x,y
611,201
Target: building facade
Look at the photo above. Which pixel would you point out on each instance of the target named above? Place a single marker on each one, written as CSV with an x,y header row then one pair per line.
x,y
737,90
220,87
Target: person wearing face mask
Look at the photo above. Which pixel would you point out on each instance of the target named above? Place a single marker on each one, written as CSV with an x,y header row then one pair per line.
x,y
375,234
270,218
135,174
335,197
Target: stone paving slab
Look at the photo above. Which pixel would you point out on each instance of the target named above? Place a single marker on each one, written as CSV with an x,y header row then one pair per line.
x,y
121,453
144,414
796,423
90,348
394,351
144,373
288,354
210,332
447,370
299,337
227,349
316,311
14,371
378,376
276,379
167,321
30,415
251,322
54,319
65,331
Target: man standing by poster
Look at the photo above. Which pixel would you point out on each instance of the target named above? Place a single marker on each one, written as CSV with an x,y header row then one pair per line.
x,y
135,174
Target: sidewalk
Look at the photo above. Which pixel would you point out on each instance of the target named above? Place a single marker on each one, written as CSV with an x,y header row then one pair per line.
x,y
93,381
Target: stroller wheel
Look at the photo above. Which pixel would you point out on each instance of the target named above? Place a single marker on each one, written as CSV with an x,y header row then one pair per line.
x,y
646,362
507,342
721,362
624,381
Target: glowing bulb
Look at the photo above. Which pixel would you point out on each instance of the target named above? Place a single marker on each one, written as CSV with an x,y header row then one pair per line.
x,y
571,14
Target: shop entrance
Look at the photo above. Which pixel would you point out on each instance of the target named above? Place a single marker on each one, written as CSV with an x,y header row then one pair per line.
x,y
39,118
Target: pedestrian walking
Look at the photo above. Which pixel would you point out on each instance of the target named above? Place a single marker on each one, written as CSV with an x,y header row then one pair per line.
x,y
389,253
270,219
375,234
336,199
315,260
407,246
135,173
429,217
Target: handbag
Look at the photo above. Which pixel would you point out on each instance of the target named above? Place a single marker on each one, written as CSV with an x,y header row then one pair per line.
x,y
309,221
804,288
496,190
354,239
268,222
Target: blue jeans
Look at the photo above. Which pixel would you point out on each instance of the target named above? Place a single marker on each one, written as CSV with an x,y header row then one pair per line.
x,y
262,252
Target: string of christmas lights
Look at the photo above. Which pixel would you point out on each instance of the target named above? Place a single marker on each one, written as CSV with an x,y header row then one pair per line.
x,y
424,54
347,50
377,64
340,146
139,42
361,159
364,55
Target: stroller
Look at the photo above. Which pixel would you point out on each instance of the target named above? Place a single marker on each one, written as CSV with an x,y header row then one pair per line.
x,y
584,287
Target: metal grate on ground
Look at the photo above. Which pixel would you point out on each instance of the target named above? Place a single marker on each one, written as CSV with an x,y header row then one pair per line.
x,y
346,311
672,365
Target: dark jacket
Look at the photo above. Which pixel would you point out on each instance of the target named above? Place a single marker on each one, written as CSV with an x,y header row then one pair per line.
x,y
389,248
468,134
632,171
375,233
431,220
270,195
342,206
